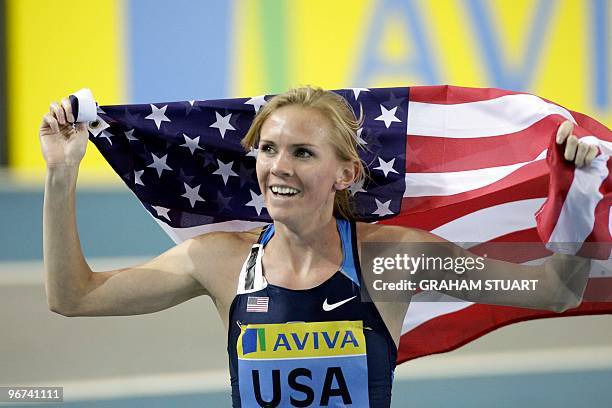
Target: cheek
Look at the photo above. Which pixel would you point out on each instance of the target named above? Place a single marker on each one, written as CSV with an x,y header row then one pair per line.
x,y
260,176
260,169
322,181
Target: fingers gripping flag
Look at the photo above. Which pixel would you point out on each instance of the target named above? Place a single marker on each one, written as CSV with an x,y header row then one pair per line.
x,y
470,165
577,209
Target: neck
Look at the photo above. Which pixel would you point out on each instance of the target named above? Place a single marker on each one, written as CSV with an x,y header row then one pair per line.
x,y
304,248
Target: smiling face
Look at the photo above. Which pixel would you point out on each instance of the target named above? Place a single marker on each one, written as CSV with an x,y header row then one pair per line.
x,y
297,168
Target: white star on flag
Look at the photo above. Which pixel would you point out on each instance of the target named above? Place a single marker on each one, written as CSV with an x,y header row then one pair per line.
x,y
130,135
191,144
192,194
356,188
388,116
257,102
257,201
253,152
159,164
162,211
225,170
158,115
357,91
106,136
382,209
222,123
386,167
137,176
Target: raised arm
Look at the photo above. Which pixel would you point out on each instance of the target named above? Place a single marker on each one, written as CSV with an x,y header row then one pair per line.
x,y
556,285
432,263
72,288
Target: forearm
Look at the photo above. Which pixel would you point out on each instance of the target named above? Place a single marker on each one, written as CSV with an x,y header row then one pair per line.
x,y
66,271
556,285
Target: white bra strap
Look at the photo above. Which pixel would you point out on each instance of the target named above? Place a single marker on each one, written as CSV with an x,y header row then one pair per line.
x,y
251,275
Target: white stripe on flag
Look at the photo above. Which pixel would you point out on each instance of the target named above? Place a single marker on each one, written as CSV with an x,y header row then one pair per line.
x,y
428,305
441,184
604,146
610,222
491,222
179,235
493,117
577,216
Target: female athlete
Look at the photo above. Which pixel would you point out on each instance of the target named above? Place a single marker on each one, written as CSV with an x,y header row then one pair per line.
x,y
301,331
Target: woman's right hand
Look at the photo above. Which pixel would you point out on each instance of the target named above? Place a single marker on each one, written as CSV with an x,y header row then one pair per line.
x,y
62,143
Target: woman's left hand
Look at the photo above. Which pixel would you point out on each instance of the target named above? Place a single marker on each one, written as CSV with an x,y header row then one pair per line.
x,y
581,153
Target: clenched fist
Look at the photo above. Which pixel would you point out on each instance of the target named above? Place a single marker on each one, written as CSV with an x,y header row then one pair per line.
x,y
62,141
581,153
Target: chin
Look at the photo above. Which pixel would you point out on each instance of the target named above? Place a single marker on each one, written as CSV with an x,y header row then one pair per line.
x,y
283,215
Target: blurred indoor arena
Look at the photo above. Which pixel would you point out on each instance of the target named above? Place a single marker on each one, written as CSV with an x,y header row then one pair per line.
x,y
142,51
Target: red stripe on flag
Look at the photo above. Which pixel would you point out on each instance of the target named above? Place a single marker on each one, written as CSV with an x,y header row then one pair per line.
x,y
448,94
527,182
453,330
505,248
594,127
598,290
599,242
548,215
442,154
429,154
449,209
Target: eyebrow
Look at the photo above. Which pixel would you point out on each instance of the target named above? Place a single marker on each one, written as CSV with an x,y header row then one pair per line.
x,y
293,145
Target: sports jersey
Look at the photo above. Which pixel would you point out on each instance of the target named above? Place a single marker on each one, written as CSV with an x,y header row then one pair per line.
x,y
321,346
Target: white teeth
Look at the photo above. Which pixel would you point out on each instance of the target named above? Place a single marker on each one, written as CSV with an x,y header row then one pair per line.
x,y
284,190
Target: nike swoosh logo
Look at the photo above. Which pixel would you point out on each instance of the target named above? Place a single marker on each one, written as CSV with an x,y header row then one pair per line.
x,y
327,307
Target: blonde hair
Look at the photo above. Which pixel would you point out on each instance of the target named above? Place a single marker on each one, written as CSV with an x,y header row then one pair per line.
x,y
343,136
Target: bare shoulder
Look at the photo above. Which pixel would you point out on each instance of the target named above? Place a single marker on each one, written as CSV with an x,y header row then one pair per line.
x,y
218,258
223,249
393,233
224,244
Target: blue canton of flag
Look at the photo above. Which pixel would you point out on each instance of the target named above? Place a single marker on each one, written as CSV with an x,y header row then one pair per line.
x,y
184,161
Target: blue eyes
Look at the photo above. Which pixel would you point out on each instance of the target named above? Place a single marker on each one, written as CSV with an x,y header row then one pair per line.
x,y
300,152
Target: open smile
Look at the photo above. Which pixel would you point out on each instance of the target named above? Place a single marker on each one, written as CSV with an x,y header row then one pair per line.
x,y
284,191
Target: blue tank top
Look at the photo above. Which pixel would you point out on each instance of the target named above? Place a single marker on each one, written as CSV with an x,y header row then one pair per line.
x,y
317,347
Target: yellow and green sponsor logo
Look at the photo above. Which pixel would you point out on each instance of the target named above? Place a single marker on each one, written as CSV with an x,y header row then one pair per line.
x,y
301,340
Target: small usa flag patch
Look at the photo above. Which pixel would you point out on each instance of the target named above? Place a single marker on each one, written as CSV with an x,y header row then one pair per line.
x,y
257,304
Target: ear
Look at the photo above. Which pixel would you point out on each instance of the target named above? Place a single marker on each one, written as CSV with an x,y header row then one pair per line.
x,y
346,175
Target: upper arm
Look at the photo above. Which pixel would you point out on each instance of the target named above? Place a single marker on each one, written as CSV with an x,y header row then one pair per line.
x,y
181,273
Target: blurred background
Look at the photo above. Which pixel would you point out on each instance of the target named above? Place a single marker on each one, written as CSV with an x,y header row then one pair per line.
x,y
141,51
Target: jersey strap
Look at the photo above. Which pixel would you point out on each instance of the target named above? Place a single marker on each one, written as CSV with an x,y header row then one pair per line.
x,y
251,275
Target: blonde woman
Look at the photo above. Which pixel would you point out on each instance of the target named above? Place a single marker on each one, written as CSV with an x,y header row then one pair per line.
x,y
301,331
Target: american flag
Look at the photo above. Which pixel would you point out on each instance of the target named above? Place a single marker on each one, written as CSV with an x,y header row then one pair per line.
x,y
467,164
257,304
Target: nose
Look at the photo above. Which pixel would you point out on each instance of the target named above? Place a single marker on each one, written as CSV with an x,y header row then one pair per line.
x,y
281,165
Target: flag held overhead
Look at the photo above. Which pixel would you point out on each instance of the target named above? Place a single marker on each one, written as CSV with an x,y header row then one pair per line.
x,y
467,164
